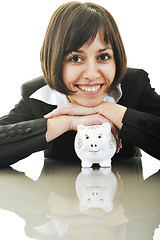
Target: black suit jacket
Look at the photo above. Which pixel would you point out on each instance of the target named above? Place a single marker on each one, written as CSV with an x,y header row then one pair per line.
x,y
22,131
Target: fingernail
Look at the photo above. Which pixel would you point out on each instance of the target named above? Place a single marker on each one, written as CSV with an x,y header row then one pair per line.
x,y
117,151
46,116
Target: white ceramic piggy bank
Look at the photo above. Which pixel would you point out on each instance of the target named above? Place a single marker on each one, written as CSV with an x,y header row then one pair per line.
x,y
96,189
95,144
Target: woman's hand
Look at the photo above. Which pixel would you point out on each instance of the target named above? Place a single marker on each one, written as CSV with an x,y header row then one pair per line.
x,y
58,125
70,116
94,117
112,111
72,110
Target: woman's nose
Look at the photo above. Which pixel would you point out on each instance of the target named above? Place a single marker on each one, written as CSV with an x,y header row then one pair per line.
x,y
91,71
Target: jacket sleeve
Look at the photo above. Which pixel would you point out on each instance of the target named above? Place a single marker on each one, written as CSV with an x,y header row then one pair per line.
x,y
143,130
21,134
141,123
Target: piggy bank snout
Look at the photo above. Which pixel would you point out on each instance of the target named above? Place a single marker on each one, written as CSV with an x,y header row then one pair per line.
x,y
95,193
93,146
92,194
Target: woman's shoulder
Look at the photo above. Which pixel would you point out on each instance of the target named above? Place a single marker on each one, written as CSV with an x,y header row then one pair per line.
x,y
133,86
135,77
135,72
29,87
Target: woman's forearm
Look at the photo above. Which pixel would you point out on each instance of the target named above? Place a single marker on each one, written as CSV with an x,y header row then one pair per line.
x,y
58,125
114,112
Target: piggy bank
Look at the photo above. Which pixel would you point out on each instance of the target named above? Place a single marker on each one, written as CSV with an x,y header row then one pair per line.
x,y
96,189
95,144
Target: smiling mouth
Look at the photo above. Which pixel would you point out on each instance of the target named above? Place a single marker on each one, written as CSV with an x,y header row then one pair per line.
x,y
90,89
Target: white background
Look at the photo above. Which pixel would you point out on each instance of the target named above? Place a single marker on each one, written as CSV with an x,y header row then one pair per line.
x,y
22,29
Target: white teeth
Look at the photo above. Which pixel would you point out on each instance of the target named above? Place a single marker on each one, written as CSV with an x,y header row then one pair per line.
x,y
90,89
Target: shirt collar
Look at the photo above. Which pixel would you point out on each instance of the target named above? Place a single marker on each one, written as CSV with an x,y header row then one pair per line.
x,y
52,97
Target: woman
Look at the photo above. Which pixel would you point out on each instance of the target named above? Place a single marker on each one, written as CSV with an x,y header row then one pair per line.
x,y
86,81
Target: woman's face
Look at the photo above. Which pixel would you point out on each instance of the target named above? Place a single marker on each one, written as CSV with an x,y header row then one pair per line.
x,y
89,71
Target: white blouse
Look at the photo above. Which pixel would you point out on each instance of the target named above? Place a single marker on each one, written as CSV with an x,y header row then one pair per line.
x,y
51,96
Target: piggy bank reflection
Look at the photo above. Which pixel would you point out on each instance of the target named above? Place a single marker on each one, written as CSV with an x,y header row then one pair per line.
x,y
96,189
95,144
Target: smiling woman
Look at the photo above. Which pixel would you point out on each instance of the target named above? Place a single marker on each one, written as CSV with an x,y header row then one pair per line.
x,y
85,81
79,28
89,72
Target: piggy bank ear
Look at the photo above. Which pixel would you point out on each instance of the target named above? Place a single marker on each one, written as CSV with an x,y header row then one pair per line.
x,y
81,127
106,126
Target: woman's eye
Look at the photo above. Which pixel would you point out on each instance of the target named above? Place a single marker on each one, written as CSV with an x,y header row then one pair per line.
x,y
104,57
75,59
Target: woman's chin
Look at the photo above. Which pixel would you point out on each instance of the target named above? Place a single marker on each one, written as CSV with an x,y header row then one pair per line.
x,y
86,101
89,104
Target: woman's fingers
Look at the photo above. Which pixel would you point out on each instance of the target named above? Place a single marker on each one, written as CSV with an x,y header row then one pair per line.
x,y
71,109
88,120
119,145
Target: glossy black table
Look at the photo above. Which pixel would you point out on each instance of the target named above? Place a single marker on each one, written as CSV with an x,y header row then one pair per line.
x,y
68,202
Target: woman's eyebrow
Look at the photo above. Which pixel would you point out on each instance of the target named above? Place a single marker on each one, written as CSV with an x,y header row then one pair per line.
x,y
79,51
104,49
100,50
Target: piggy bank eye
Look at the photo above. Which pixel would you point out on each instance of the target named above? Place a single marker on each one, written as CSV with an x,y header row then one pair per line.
x,y
87,137
100,135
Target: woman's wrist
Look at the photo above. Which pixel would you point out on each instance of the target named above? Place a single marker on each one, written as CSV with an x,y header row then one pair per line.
x,y
114,112
56,126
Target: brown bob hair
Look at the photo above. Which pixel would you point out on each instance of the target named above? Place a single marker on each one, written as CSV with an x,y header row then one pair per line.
x,y
72,25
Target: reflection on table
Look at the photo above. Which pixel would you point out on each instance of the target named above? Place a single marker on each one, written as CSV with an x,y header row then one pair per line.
x,y
68,202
